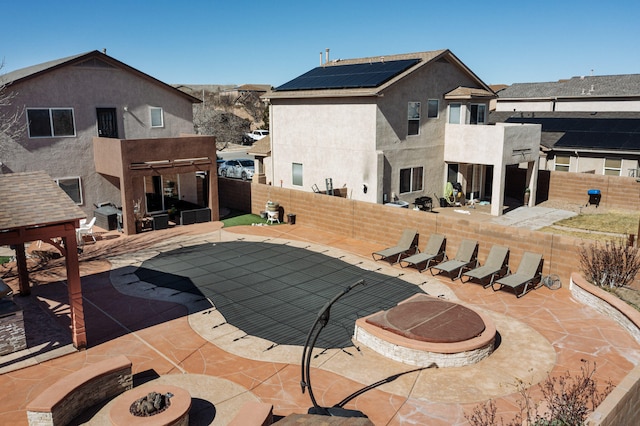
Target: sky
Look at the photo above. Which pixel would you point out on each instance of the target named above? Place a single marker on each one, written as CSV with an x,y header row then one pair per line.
x,y
271,42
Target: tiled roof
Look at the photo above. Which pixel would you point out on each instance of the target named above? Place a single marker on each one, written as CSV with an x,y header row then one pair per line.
x,y
468,93
594,86
33,199
262,147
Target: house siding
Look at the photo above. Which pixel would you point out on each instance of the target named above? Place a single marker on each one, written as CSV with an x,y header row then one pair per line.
x,y
84,89
331,138
363,141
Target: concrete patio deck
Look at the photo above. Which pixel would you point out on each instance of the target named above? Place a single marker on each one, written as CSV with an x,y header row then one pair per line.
x,y
179,337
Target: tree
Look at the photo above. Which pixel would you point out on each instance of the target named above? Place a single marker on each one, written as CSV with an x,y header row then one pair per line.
x,y
11,124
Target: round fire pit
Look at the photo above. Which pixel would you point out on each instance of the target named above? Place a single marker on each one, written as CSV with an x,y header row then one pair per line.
x,y
175,413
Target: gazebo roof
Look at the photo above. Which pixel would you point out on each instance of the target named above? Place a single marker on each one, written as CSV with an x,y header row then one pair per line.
x,y
33,199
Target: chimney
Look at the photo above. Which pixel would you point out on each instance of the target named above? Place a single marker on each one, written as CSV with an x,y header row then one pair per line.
x,y
320,58
326,55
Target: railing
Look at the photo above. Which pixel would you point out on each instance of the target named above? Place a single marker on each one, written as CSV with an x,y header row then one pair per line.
x,y
634,172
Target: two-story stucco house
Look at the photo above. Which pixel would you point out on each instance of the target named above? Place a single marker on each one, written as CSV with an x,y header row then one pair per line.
x,y
589,124
394,128
108,133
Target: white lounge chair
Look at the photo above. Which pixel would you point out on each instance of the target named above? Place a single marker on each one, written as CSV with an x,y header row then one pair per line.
x,y
86,228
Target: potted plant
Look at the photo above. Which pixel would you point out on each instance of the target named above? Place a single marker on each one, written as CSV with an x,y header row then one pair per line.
x,y
527,195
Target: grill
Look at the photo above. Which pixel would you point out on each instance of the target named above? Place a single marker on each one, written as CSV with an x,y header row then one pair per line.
x,y
108,216
424,203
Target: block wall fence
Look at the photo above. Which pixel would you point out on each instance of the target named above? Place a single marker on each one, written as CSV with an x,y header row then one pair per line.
x,y
618,192
383,225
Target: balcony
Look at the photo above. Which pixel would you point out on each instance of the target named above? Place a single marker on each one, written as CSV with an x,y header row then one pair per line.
x,y
499,145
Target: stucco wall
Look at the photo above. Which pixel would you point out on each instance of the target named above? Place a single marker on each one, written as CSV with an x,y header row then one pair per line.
x,y
585,163
84,89
544,105
587,105
330,139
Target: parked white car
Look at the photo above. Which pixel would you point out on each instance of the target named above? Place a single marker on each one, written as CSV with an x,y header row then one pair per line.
x,y
255,135
241,168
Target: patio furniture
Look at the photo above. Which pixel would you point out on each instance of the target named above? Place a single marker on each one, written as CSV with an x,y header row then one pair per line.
x,y
496,265
86,228
408,243
433,252
529,272
273,216
467,255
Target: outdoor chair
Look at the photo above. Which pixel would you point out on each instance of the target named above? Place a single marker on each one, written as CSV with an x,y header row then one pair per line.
x,y
466,258
529,273
496,266
408,244
86,228
433,252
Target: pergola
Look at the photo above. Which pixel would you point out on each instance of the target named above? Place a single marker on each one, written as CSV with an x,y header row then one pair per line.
x,y
34,208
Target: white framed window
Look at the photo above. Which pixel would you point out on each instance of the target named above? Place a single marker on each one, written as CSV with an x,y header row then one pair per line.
x,y
411,179
477,113
296,174
612,166
413,118
562,163
157,117
72,186
454,113
433,108
50,122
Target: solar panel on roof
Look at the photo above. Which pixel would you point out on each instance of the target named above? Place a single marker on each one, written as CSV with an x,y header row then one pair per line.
x,y
352,76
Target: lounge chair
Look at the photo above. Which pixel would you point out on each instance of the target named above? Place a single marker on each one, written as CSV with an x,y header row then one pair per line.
x,y
433,252
496,266
408,244
529,272
466,258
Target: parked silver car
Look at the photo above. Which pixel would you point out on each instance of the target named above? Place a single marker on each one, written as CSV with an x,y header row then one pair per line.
x,y
241,168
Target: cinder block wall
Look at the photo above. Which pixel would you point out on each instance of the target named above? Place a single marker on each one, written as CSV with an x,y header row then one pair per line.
x,y
617,191
382,225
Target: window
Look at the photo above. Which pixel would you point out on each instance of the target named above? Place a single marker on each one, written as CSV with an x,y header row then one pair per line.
x,y
50,122
410,180
477,113
413,117
432,108
72,187
157,119
562,163
296,174
612,166
454,113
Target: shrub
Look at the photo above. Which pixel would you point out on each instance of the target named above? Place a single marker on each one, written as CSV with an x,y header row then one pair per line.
x,y
568,400
609,265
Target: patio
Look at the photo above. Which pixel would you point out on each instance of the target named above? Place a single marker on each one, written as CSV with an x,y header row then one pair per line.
x,y
176,336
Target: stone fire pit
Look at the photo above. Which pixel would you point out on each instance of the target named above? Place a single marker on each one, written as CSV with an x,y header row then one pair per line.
x,y
175,414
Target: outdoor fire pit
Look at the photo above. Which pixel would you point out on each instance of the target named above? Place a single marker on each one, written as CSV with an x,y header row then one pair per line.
x,y
152,404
